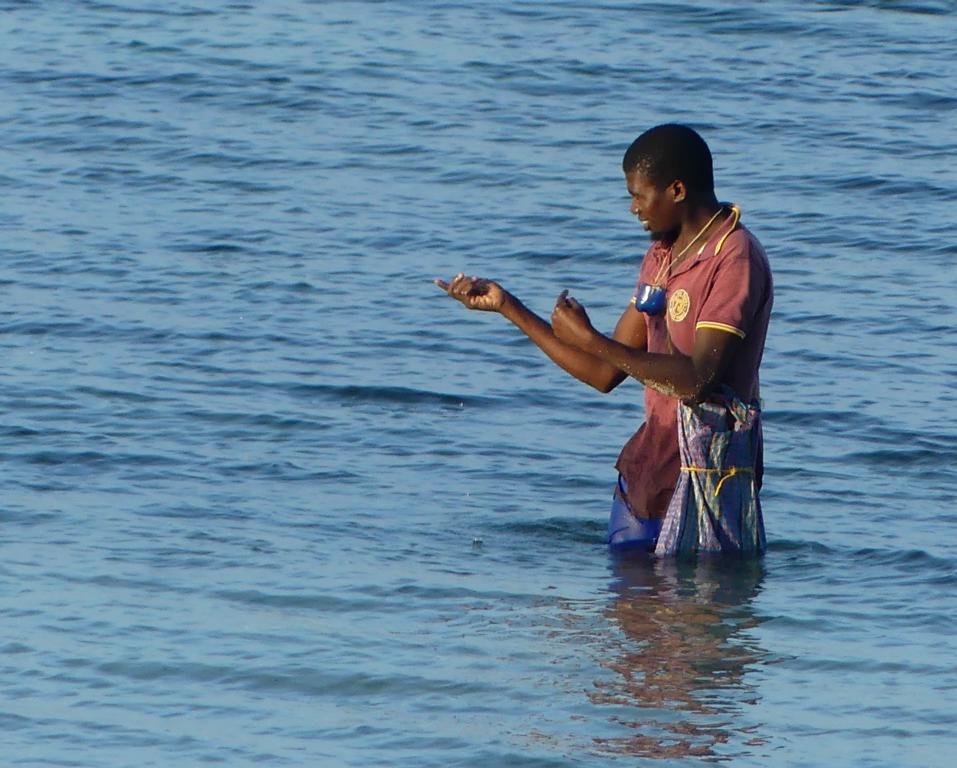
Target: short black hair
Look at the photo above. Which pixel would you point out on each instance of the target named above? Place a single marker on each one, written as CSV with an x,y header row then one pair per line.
x,y
669,152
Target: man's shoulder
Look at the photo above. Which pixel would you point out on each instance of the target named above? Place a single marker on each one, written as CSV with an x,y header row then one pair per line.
x,y
741,243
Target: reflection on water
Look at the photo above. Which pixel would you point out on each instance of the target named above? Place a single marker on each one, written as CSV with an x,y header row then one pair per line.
x,y
682,657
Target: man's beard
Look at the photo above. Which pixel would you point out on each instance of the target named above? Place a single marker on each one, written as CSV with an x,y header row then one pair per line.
x,y
665,237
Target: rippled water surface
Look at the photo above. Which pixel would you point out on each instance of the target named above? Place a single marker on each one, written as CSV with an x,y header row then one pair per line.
x,y
270,498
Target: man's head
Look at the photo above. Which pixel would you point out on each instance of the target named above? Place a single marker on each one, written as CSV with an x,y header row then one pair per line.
x,y
668,152
668,170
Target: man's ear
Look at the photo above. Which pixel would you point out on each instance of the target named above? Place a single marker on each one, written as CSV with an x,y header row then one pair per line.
x,y
679,192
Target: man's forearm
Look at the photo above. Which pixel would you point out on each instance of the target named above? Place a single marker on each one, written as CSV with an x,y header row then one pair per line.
x,y
585,367
672,375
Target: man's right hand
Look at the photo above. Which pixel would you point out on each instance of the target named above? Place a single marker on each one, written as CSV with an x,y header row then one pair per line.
x,y
475,292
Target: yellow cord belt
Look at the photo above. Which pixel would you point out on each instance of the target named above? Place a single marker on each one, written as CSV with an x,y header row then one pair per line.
x,y
726,474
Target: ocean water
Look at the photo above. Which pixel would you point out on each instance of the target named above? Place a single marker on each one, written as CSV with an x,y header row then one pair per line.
x,y
270,498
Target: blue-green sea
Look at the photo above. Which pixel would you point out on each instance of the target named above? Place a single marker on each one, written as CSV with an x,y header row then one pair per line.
x,y
270,498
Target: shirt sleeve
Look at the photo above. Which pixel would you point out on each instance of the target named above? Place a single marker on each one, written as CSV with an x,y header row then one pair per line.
x,y
737,288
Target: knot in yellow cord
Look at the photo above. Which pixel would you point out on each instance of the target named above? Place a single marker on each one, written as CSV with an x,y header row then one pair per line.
x,y
726,474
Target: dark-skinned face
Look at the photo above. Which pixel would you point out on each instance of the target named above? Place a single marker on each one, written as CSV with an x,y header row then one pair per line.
x,y
656,208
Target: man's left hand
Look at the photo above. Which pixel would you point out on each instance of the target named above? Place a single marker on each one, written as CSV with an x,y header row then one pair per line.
x,y
570,322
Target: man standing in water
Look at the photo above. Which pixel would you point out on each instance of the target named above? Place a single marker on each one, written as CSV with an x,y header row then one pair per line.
x,y
696,325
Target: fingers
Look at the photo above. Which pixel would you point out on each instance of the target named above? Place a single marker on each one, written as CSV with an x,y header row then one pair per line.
x,y
461,286
448,287
567,316
560,304
455,284
564,300
464,288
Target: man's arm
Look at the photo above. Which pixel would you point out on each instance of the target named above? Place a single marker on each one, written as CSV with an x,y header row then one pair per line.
x,y
630,331
600,373
686,378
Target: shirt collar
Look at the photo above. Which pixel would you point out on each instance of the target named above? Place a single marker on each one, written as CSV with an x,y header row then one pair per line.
x,y
713,244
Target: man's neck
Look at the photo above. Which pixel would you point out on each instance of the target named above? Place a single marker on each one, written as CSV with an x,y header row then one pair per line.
x,y
695,228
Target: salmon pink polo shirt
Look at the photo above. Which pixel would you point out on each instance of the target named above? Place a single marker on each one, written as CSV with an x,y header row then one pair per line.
x,y
729,290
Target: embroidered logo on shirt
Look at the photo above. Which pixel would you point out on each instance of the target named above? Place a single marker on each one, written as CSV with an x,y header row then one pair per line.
x,y
678,305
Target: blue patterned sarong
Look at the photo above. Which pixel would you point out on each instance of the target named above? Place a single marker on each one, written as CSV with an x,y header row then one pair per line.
x,y
715,507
